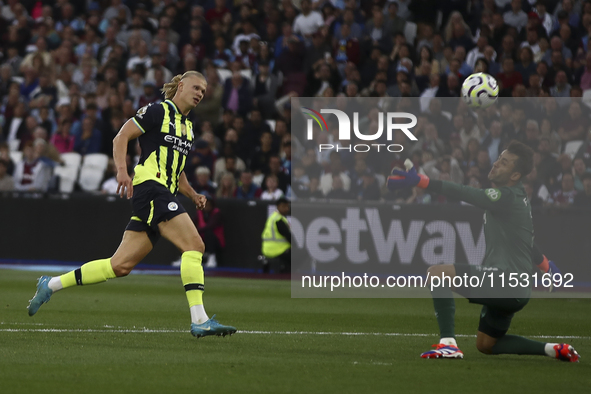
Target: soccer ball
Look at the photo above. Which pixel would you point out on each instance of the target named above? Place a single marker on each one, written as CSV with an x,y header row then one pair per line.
x,y
480,90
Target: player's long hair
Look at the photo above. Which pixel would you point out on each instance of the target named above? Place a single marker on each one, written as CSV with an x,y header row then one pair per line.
x,y
169,89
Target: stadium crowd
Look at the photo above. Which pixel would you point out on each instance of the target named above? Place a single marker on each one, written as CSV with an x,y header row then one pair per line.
x,y
71,73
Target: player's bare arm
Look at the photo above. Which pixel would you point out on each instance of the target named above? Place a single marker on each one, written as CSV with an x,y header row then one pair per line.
x,y
128,132
185,188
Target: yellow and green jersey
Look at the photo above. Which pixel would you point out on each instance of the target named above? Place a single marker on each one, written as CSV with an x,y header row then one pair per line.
x,y
166,143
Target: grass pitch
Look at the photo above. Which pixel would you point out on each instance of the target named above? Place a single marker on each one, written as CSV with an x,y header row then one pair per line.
x,y
132,335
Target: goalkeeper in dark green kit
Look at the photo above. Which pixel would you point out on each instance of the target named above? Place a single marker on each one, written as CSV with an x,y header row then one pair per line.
x,y
508,231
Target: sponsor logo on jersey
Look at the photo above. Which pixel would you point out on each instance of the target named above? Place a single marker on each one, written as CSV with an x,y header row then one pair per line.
x,y
178,143
493,194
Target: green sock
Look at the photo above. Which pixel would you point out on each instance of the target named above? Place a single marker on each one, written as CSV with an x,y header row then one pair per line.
x,y
514,344
96,271
445,310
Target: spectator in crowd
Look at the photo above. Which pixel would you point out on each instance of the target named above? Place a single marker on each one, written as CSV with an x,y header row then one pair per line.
x,y
529,187
202,183
430,141
532,134
210,106
516,17
231,167
209,224
493,141
565,196
468,130
6,181
202,155
227,186
220,163
89,140
300,181
247,190
237,95
31,174
264,89
579,169
574,127
259,160
526,66
272,191
561,86
335,168
337,191
584,151
509,77
275,169
582,199
309,21
5,155
15,129
369,190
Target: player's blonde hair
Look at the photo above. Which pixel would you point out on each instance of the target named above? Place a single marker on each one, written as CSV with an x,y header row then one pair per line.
x,y
169,89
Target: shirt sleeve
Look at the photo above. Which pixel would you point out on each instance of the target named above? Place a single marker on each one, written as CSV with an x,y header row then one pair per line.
x,y
491,199
149,118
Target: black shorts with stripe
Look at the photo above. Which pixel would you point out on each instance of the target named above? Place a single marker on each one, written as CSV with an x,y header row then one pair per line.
x,y
152,203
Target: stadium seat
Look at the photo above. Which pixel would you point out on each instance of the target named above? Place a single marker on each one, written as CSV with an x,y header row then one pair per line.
x,y
92,171
410,32
224,74
16,156
68,173
72,159
246,74
572,147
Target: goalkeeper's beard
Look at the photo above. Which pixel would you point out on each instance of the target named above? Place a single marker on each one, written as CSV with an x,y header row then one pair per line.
x,y
496,178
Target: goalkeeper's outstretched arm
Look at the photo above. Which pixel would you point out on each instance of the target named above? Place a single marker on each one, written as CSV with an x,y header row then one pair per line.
x,y
490,199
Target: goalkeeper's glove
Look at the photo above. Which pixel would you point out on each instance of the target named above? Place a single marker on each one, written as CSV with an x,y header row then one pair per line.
x,y
404,179
552,269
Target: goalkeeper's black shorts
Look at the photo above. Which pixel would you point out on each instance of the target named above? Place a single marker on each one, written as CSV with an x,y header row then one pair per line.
x,y
499,305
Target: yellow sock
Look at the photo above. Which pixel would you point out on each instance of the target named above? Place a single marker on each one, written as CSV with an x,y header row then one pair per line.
x,y
192,277
96,271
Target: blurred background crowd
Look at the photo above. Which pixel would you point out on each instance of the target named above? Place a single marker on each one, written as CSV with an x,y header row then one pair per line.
x,y
71,74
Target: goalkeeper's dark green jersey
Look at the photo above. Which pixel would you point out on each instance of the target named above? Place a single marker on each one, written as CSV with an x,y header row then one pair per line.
x,y
508,227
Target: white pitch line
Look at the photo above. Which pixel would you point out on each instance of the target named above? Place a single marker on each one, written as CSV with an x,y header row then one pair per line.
x,y
167,331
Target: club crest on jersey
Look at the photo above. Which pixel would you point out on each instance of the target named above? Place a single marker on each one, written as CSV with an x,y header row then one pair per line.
x,y
173,206
493,194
